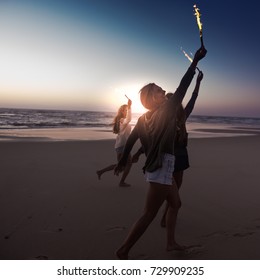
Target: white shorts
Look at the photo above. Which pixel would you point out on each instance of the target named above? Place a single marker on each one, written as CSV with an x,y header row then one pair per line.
x,y
162,175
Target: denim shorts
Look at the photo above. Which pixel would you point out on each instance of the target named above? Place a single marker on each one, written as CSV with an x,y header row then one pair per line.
x,y
162,175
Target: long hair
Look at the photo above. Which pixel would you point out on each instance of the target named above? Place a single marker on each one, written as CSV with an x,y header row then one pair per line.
x,y
146,96
118,117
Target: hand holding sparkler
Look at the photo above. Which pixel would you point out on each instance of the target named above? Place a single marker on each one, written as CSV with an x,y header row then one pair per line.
x,y
200,53
129,101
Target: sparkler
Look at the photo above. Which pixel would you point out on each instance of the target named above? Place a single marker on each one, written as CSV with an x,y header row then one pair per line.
x,y
198,14
188,57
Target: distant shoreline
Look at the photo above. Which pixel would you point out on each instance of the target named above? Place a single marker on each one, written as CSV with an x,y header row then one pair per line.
x,y
86,134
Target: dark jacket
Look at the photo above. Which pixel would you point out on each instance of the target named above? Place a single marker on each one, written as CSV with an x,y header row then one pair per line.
x,y
156,129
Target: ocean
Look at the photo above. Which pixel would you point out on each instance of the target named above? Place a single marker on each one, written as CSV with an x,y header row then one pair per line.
x,y
24,119
31,118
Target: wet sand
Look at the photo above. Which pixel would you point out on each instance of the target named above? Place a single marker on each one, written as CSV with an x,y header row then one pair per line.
x,y
54,207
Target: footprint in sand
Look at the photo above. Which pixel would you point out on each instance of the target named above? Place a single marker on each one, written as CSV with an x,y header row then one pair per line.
x,y
52,230
216,234
242,234
190,252
194,252
247,231
257,227
116,228
197,246
194,249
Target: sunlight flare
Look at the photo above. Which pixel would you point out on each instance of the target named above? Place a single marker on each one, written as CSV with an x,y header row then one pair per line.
x,y
130,92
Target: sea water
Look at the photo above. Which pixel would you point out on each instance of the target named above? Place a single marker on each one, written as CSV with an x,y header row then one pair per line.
x,y
198,126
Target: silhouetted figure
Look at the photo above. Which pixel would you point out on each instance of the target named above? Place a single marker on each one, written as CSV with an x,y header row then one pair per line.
x,y
181,141
121,127
156,130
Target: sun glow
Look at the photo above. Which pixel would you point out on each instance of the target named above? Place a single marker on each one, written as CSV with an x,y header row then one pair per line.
x,y
132,92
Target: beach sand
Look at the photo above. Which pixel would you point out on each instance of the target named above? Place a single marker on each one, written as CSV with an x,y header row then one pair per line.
x,y
54,207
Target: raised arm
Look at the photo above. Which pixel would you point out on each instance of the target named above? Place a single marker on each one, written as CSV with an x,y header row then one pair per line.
x,y
129,114
190,105
128,147
187,78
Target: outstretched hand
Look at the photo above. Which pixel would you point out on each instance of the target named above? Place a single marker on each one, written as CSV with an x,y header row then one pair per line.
x,y
200,53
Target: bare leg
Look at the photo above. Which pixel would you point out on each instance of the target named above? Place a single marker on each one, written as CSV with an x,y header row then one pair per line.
x,y
178,176
174,203
163,220
157,193
108,168
122,182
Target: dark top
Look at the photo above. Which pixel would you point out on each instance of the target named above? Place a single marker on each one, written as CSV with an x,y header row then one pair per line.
x,y
156,129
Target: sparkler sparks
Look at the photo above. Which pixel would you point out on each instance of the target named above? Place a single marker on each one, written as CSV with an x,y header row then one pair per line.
x,y
189,58
198,14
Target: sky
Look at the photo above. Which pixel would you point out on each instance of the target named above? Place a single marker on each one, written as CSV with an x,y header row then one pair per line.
x,y
87,54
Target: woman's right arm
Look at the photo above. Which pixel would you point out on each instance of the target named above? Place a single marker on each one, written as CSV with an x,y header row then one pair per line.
x,y
187,78
136,156
128,147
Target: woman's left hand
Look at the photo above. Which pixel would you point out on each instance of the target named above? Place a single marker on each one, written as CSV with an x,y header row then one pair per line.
x,y
200,76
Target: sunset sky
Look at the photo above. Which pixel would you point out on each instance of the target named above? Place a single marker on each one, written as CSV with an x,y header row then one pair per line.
x,y
85,55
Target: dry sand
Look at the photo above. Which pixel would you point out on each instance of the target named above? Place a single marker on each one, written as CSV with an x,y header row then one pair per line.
x,y
52,205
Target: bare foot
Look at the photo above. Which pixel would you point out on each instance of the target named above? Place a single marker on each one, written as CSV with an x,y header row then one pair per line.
x,y
99,175
121,254
176,247
123,184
